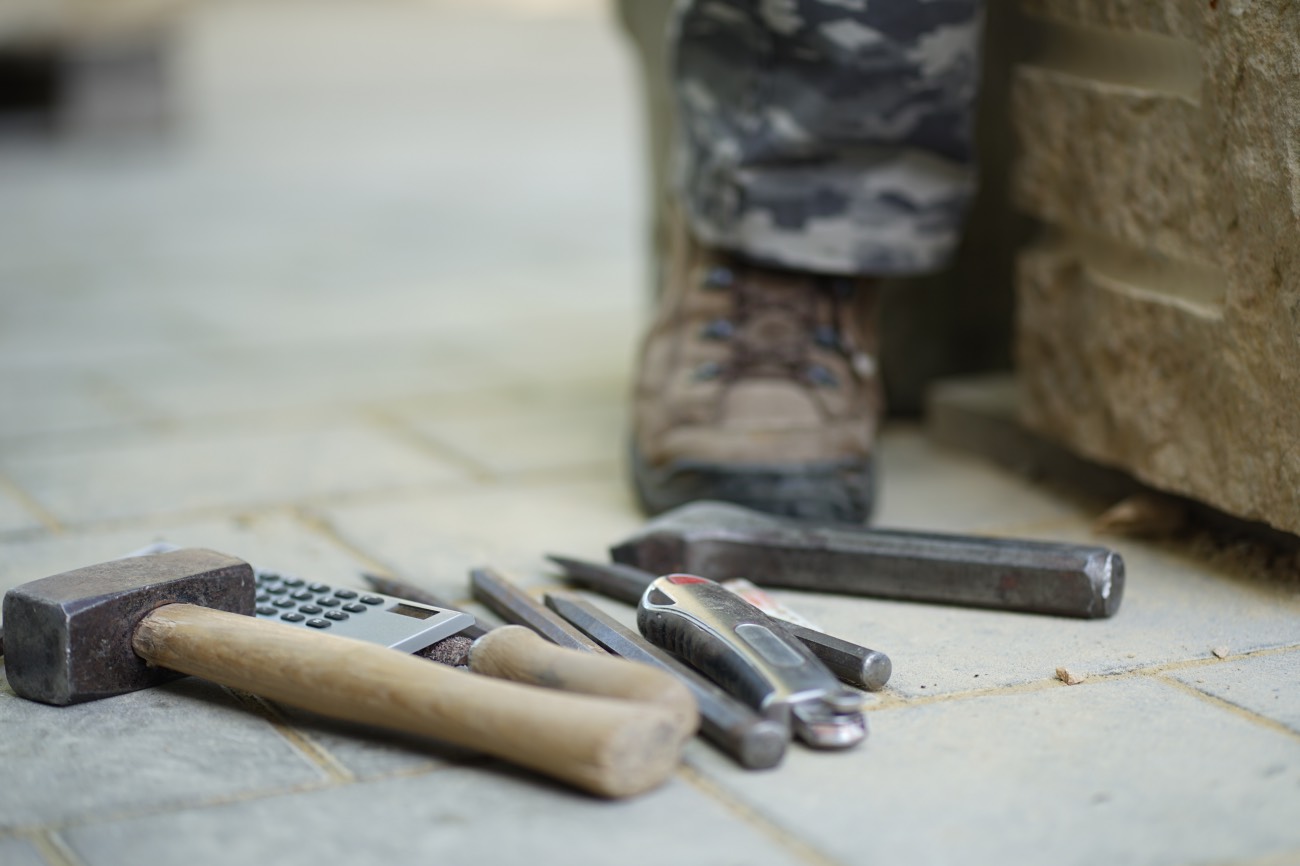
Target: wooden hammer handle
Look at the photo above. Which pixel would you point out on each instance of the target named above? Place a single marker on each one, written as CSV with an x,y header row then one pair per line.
x,y
609,747
513,652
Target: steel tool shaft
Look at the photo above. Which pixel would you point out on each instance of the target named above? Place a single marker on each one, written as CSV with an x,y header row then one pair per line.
x,y
724,541
514,605
857,665
753,741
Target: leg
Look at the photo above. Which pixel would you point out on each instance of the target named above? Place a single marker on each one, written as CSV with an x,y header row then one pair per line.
x,y
821,142
830,136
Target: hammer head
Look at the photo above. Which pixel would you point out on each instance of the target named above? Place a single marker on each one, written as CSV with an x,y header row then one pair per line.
x,y
68,637
685,538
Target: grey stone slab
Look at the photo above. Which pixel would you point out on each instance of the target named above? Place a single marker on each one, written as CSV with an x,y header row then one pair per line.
x,y
535,439
15,515
43,402
1124,771
923,487
1173,609
19,852
459,815
433,540
368,753
280,376
274,540
219,467
1267,684
187,742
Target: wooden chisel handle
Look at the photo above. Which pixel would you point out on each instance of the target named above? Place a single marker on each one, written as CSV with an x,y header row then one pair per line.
x,y
608,747
512,652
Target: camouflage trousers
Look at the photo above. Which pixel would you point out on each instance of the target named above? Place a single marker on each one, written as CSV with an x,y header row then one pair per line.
x,y
833,136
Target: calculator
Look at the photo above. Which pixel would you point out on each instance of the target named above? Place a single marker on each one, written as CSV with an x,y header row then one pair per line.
x,y
360,614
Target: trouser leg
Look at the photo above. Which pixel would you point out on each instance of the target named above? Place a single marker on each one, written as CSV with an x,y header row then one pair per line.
x,y
832,136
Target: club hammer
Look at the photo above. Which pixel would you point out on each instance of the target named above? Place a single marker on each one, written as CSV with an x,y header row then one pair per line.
x,y
134,623
722,541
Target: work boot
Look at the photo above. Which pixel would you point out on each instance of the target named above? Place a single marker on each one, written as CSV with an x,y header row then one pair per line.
x,y
757,386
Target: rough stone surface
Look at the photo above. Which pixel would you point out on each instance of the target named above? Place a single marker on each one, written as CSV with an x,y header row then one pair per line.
x,y
19,852
453,816
186,742
1268,685
1158,318
1063,775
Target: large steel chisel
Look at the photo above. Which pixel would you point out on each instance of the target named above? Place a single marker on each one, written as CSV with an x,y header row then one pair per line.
x,y
724,541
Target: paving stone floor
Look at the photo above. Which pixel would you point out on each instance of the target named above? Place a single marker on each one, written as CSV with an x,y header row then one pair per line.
x,y
371,305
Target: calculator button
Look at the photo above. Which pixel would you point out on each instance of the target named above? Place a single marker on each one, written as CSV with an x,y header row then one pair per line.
x,y
276,590
302,595
267,610
263,597
371,599
345,593
309,609
326,601
319,587
353,607
318,623
294,581
292,617
267,577
283,602
336,615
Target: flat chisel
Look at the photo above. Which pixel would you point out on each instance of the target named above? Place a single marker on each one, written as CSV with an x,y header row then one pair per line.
x,y
514,605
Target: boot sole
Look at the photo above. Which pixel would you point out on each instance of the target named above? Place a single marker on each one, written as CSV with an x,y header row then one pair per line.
x,y
837,491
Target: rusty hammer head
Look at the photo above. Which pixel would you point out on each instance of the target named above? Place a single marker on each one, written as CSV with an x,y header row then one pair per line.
x,y
68,637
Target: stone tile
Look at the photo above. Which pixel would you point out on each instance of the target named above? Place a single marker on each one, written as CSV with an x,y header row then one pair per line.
x,y
922,487
273,378
1172,610
369,753
535,438
495,816
185,743
19,852
43,402
1131,771
54,323
1268,685
273,540
434,540
14,515
221,467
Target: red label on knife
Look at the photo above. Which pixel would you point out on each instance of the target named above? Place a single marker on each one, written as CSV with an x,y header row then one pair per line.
x,y
680,579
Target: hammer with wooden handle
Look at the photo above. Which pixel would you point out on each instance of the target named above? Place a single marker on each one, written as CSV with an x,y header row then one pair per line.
x,y
131,624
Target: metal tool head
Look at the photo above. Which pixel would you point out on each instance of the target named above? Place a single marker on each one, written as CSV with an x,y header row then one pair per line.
x,y
725,541
678,539
68,637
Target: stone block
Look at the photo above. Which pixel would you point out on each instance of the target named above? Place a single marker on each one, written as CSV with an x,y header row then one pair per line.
x,y
1157,326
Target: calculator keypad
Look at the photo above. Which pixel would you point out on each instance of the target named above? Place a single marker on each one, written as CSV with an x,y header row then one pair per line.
x,y
296,600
